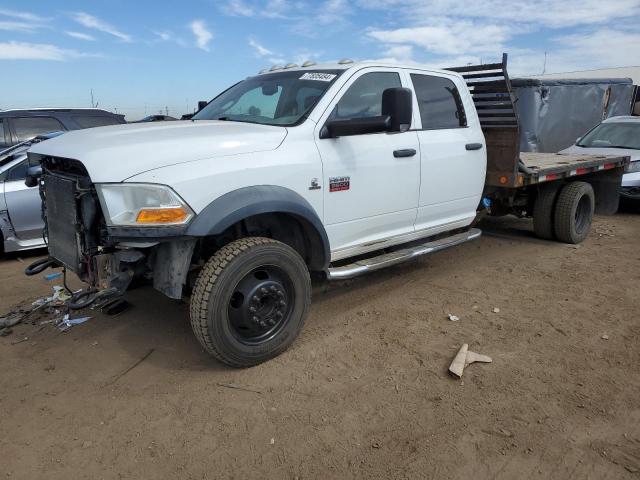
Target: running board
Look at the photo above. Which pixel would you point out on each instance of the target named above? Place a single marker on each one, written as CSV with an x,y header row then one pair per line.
x,y
387,259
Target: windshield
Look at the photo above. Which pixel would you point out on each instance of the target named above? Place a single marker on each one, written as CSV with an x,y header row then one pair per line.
x,y
282,98
613,135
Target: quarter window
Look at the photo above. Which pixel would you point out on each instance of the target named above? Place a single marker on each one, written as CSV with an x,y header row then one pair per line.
x,y
364,97
439,102
29,127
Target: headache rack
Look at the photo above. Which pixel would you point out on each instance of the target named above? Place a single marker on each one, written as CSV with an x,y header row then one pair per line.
x,y
495,103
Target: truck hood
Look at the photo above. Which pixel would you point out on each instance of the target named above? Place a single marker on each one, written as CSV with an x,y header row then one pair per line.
x,y
115,153
618,152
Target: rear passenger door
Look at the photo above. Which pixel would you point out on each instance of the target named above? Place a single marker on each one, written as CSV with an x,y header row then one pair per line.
x,y
452,152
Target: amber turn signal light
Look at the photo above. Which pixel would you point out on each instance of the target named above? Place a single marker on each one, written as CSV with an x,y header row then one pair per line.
x,y
162,215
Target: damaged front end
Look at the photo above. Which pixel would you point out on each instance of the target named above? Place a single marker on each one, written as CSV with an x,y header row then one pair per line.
x,y
82,237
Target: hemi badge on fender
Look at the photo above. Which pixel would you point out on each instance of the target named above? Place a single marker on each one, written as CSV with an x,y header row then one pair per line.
x,y
338,184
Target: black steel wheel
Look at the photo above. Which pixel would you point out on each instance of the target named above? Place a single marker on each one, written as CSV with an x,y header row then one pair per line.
x,y
250,301
260,304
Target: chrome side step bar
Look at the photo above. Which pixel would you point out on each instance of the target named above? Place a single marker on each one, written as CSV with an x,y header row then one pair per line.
x,y
387,259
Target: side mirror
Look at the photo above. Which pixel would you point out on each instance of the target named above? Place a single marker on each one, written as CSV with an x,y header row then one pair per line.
x,y
578,140
202,104
397,103
356,126
33,174
397,111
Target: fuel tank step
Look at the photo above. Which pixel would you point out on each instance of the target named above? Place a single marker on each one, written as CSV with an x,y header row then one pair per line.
x,y
387,259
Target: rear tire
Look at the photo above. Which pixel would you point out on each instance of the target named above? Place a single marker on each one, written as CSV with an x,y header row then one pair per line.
x,y
574,212
543,211
250,301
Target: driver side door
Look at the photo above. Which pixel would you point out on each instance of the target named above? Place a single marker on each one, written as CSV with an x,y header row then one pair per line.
x,y
371,181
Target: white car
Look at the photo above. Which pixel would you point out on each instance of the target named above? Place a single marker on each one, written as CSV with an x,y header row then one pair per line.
x,y
615,136
337,169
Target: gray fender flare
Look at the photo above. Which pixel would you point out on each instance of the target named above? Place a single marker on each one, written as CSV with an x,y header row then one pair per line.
x,y
245,202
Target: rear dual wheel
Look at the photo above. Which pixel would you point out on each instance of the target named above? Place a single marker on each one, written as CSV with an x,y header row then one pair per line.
x,y
565,212
250,301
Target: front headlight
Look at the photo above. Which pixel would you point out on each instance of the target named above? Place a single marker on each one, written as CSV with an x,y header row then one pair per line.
x,y
142,204
633,167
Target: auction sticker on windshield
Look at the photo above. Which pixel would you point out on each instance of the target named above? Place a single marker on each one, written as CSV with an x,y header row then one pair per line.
x,y
320,77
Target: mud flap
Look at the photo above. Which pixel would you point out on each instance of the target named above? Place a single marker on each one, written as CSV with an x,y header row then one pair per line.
x,y
171,266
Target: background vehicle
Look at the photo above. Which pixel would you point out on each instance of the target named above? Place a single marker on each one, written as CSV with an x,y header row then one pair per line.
x,y
156,118
615,136
21,221
339,169
19,125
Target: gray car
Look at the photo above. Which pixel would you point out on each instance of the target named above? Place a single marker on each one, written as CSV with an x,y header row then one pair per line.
x,y
615,136
20,206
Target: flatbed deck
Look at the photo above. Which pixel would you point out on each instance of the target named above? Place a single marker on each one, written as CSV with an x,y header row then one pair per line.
x,y
544,167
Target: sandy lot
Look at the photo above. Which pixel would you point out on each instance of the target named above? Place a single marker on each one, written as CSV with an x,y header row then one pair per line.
x,y
364,391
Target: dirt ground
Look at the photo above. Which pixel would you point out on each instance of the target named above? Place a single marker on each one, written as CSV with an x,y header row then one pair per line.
x,y
364,391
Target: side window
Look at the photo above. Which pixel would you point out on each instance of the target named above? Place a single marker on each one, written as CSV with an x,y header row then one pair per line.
x,y
364,97
89,121
19,172
29,127
439,102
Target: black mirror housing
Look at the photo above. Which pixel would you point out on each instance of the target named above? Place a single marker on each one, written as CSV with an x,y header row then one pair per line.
x,y
33,175
397,103
356,126
202,104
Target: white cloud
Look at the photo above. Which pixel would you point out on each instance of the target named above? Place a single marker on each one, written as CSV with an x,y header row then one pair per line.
x,y
89,21
261,51
13,26
552,13
25,16
81,36
36,51
203,36
269,9
238,8
447,37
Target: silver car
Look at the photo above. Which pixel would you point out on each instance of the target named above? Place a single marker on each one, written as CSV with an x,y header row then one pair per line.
x,y
615,136
20,206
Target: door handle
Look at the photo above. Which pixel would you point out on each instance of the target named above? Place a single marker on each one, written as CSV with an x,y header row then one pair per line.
x,y
473,146
407,152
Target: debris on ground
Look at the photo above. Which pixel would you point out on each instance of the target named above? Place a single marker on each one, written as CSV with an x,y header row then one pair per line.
x,y
52,276
66,323
465,357
20,341
453,318
496,310
605,337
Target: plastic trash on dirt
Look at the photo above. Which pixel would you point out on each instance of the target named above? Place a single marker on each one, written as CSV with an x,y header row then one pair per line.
x,y
66,323
464,358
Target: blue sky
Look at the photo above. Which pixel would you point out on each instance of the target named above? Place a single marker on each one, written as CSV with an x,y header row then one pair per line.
x,y
142,56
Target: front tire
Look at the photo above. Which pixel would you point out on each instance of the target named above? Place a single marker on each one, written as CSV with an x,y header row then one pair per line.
x,y
250,301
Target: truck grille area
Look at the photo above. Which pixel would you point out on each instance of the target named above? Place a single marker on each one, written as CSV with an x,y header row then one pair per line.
x,y
62,220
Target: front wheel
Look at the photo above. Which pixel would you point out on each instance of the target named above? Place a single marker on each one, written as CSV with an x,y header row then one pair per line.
x,y
250,301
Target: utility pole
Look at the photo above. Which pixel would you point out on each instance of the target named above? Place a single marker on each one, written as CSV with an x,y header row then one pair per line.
x,y
544,67
92,104
166,110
